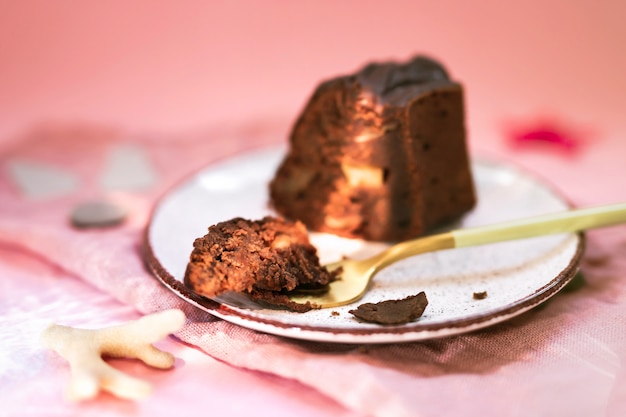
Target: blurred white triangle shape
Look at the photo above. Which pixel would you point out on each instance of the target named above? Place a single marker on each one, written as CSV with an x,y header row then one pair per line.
x,y
127,167
41,181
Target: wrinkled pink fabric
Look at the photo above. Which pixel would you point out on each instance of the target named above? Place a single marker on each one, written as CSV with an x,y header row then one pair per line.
x,y
566,357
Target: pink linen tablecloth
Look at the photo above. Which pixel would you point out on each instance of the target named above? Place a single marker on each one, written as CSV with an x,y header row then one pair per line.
x,y
565,358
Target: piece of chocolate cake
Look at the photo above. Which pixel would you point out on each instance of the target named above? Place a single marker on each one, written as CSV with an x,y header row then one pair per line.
x,y
379,155
263,258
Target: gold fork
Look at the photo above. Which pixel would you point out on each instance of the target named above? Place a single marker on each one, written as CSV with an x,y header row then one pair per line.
x,y
356,275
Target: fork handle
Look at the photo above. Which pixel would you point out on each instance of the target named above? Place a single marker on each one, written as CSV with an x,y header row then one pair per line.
x,y
563,222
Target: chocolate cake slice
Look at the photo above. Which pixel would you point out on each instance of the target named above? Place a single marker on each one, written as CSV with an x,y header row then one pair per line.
x,y
264,258
379,155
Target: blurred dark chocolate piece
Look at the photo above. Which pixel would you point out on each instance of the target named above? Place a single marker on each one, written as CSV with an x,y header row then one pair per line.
x,y
97,214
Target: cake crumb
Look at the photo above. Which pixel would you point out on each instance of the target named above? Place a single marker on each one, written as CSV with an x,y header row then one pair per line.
x,y
334,313
480,295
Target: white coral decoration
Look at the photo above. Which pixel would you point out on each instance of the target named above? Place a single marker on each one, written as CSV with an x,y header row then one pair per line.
x,y
84,349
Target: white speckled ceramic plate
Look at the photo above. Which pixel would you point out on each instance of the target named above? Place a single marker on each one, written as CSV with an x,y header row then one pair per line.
x,y
516,276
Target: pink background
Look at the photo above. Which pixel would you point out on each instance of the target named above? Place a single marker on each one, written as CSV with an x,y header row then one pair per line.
x,y
158,65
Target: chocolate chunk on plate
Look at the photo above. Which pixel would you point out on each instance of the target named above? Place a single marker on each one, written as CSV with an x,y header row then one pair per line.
x,y
393,311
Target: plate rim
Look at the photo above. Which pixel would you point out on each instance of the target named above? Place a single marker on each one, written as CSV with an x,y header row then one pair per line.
x,y
413,331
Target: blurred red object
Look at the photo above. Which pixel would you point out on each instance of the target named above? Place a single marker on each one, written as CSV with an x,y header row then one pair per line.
x,y
547,134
